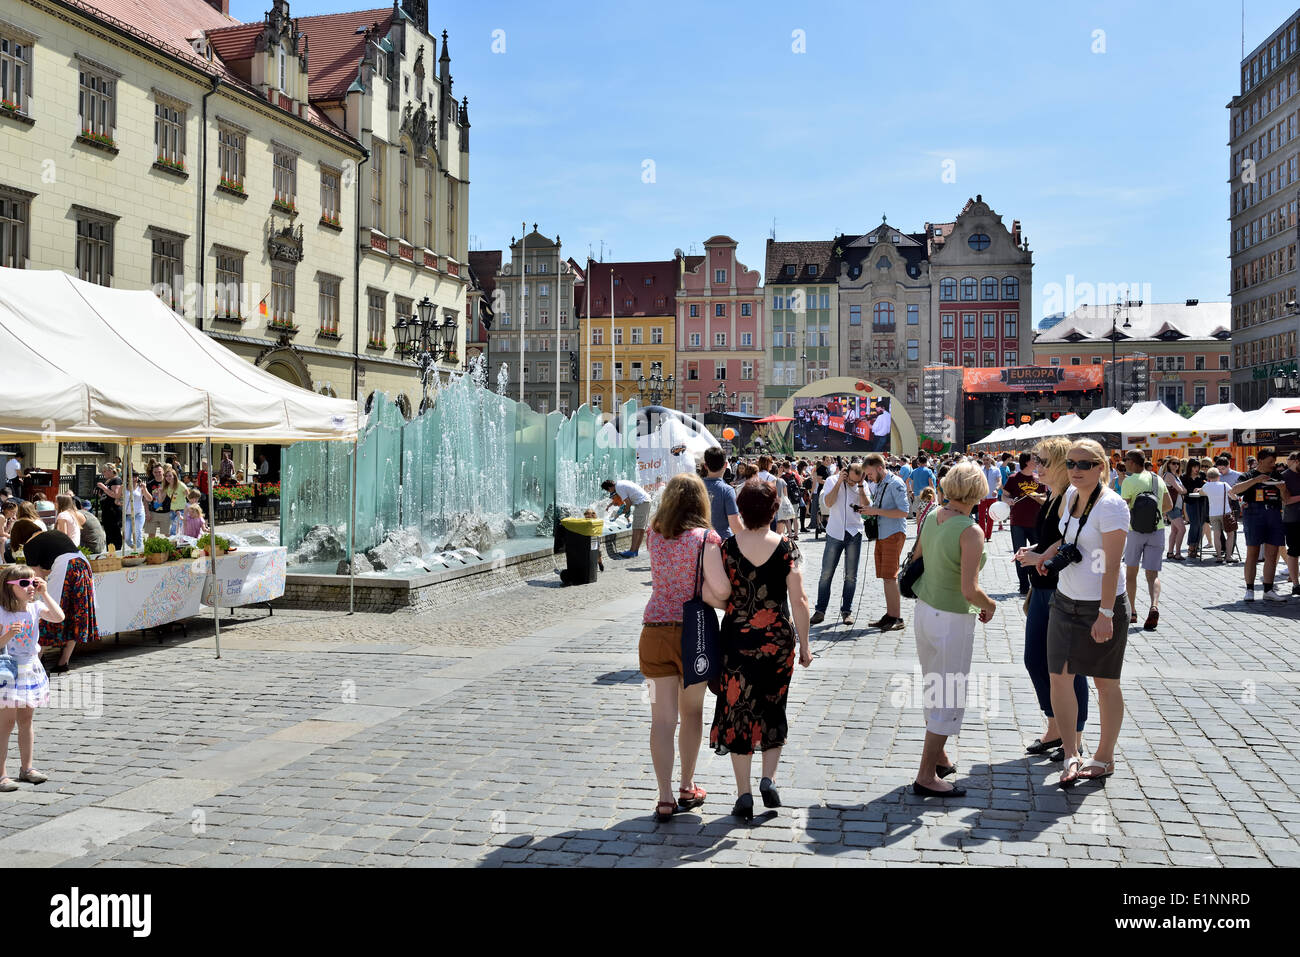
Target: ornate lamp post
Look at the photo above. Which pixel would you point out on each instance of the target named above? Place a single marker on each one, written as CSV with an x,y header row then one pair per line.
x,y
656,389
422,338
1114,336
718,401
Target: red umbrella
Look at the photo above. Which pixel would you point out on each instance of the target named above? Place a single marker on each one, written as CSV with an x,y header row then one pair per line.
x,y
773,418
1294,408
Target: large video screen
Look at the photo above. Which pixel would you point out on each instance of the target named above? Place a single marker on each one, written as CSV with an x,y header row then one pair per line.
x,y
842,423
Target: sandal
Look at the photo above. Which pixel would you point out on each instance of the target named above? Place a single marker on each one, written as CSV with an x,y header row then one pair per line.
x,y
1092,764
665,810
32,776
1070,776
688,798
7,784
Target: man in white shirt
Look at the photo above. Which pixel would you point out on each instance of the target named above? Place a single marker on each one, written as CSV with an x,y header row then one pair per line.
x,y
14,474
843,494
635,497
993,475
880,428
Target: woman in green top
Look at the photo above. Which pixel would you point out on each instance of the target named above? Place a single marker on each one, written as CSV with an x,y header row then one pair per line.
x,y
948,599
175,491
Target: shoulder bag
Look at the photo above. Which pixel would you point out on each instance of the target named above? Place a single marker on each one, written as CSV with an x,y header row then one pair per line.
x,y
911,571
1229,520
701,654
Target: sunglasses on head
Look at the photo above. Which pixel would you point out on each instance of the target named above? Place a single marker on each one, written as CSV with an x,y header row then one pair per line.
x,y
1083,466
23,582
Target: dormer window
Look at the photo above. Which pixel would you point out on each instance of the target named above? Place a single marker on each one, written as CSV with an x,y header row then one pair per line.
x,y
284,71
789,270
812,270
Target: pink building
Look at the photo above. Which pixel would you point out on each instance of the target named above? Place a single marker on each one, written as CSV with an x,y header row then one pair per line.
x,y
719,330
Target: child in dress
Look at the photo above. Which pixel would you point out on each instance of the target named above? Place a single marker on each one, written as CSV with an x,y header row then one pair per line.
x,y
23,603
194,523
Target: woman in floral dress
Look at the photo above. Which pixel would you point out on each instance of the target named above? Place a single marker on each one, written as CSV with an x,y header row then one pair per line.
x,y
758,645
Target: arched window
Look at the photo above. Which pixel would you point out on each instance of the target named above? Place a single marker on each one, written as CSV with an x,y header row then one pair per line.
x,y
882,318
988,288
947,289
1011,288
968,288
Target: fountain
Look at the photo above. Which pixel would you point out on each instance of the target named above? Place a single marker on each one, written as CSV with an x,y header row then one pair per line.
x,y
476,476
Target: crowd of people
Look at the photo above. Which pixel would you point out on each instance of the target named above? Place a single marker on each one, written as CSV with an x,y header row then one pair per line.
x,y
1081,524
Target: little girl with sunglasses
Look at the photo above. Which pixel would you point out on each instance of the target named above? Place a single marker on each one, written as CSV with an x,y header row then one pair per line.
x,y
23,682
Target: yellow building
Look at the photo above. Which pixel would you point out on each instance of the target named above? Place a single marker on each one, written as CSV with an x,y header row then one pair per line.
x,y
639,342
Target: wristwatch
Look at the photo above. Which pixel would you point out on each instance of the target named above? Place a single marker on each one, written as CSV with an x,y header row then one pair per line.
x,y
1107,612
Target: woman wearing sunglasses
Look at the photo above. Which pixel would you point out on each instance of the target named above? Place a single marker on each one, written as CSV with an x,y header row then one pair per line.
x,y
1172,477
1088,628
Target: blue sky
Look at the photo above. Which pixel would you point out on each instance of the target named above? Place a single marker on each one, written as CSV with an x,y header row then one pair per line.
x,y
1115,162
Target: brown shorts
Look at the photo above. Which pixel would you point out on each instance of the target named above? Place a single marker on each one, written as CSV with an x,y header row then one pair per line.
x,y
661,650
888,552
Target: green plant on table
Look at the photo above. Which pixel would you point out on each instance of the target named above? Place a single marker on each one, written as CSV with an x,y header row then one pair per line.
x,y
205,543
157,545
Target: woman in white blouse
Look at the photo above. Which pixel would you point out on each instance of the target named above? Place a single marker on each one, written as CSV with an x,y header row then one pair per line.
x,y
1088,629
67,522
1219,498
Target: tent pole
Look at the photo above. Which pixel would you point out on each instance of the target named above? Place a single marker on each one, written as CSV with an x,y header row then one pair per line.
x,y
352,532
212,554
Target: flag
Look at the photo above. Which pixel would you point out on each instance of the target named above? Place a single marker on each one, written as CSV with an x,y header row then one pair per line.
x,y
261,306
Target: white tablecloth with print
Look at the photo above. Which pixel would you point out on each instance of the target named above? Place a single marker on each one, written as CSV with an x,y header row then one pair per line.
x,y
148,596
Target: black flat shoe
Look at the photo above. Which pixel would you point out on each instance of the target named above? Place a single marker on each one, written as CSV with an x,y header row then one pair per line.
x,y
770,796
943,770
1057,755
923,791
744,807
1041,747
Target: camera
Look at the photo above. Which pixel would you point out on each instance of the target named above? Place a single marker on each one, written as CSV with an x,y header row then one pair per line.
x,y
1068,554
856,508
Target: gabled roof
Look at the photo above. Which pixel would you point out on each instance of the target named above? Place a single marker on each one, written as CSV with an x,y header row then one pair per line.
x,y
632,284
1150,322
801,255
336,42
169,25
859,252
484,264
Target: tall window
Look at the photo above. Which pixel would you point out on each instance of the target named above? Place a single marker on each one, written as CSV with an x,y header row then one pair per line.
x,y
15,72
947,325
286,178
720,340
1011,358
656,335
451,217
97,103
968,325
169,134
636,335
988,288
618,335
428,208
376,316
947,289
747,369
231,146
404,196
329,306
330,190
990,325
968,288
855,315
882,316
719,310
377,186
747,340
167,269
15,219
695,310
1011,288
95,250
597,371
719,275
597,336
1010,325
913,315
230,281
745,309
282,295
913,350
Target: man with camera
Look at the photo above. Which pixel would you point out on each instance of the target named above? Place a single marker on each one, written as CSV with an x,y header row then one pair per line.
x,y
844,496
889,509
1260,491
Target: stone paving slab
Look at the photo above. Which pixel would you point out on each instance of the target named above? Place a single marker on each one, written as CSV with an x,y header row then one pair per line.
x,y
322,740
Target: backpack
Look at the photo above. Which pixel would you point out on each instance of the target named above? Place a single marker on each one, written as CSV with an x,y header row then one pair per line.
x,y
1146,510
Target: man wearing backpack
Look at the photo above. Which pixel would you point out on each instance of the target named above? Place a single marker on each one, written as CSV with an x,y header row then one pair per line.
x,y
1148,501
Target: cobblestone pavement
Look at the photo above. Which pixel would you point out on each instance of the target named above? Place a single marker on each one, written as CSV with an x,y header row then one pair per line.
x,y
515,732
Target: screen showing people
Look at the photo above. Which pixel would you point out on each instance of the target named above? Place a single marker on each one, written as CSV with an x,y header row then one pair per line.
x,y
842,423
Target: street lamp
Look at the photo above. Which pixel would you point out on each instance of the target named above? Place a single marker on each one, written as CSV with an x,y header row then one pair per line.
x,y
804,359
1286,379
1114,336
718,401
656,389
422,338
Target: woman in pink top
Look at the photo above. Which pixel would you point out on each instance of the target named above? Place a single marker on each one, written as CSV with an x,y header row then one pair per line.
x,y
679,530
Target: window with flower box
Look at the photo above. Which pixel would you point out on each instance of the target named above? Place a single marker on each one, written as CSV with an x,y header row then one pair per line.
x,y
95,246
231,149
97,103
285,180
169,135
377,318
15,73
15,227
282,297
167,271
230,282
330,196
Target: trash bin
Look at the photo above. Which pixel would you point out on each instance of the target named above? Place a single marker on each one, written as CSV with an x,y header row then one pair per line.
x,y
581,549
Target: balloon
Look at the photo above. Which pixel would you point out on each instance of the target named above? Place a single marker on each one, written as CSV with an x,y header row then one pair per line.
x,y
861,387
728,434
999,511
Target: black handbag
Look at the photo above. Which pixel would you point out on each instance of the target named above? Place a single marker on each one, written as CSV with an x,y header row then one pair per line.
x,y
701,647
912,569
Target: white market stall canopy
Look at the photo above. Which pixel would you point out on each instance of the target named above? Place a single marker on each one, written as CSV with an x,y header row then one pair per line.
x,y
1099,421
1217,417
1273,414
1146,421
89,363
1064,425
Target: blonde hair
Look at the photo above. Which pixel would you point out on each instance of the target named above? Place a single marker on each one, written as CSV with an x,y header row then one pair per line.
x,y
927,494
685,504
1093,448
194,509
1207,462
1212,475
1052,452
965,484
10,599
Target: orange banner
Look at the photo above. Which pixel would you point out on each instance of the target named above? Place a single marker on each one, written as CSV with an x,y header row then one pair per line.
x,y
1033,379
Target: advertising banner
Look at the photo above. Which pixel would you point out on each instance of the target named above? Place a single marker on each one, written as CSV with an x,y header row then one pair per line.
x,y
941,408
1032,379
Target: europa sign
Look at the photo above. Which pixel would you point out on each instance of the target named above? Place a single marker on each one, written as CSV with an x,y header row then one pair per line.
x,y
1032,379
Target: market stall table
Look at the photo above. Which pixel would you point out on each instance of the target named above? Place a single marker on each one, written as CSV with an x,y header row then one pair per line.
x,y
149,596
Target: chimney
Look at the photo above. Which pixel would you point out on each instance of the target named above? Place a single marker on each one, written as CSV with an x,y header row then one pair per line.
x,y
221,6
